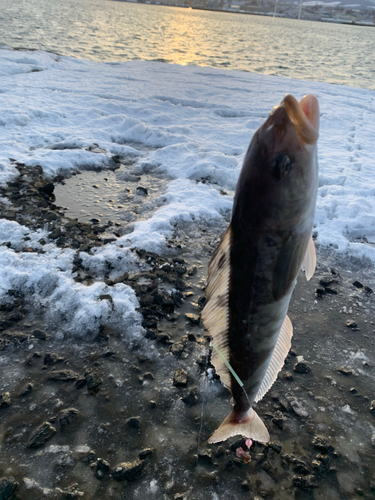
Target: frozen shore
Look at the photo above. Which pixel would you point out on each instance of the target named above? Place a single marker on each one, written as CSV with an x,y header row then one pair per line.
x,y
100,315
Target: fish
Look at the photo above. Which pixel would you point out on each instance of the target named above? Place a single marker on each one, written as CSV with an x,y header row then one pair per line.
x,y
253,271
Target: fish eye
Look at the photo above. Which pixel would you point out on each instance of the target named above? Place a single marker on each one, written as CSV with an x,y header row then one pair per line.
x,y
281,166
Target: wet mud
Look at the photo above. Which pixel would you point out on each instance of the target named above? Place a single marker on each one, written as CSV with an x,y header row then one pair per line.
x,y
124,419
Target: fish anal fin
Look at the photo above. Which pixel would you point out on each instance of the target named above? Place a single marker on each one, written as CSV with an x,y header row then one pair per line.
x,y
279,354
250,427
309,261
215,312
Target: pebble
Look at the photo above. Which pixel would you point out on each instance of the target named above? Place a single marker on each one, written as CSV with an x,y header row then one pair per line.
x,y
180,378
102,465
177,349
40,334
321,443
147,452
41,435
26,390
66,417
190,398
128,470
278,419
8,486
344,370
93,380
193,318
134,422
372,407
302,367
350,323
304,482
63,375
4,400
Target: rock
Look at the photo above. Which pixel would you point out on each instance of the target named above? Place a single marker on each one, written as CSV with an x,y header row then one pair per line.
x,y
63,375
27,389
147,452
372,407
8,486
245,486
40,334
180,378
299,408
275,447
4,400
50,358
357,284
177,349
192,271
66,417
134,422
304,482
344,370
89,457
142,190
41,435
102,465
278,420
190,398
48,189
128,470
81,382
93,380
148,376
206,456
302,367
193,318
351,323
321,443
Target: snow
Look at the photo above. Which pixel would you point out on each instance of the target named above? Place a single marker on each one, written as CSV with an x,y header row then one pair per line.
x,y
195,123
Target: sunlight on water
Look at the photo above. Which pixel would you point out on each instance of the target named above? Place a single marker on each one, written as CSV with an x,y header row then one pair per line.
x,y
118,31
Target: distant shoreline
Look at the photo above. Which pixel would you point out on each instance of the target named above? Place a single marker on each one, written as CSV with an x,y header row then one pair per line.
x,y
231,11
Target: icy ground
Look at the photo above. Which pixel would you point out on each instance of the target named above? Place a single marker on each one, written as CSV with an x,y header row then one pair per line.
x,y
191,125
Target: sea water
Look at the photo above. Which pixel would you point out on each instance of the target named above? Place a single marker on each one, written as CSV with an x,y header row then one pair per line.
x,y
103,30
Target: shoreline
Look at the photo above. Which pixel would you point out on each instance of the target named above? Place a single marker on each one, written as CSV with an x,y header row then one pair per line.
x,y
107,414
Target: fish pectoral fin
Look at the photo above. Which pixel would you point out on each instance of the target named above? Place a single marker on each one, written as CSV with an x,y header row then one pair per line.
x,y
215,312
309,261
279,354
252,427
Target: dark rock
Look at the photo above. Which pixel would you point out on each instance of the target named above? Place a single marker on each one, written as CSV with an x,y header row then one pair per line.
x,y
245,486
146,300
278,420
193,318
4,400
41,435
150,334
56,233
206,456
128,470
331,291
134,422
357,284
8,486
177,349
321,443
66,417
220,452
102,465
344,370
146,453
63,375
51,358
148,376
368,289
89,458
40,334
302,367
322,457
162,338
180,378
93,380
49,188
81,382
275,447
27,389
192,271
149,323
326,281
351,323
319,292
372,407
142,190
287,375
190,398
304,482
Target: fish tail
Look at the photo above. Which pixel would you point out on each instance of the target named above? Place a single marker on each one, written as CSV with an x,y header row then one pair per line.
x,y
250,427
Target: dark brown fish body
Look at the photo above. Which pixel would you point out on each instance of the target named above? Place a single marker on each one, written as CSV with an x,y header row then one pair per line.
x,y
253,273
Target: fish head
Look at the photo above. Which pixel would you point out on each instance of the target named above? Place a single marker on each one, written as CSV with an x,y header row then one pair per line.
x,y
279,179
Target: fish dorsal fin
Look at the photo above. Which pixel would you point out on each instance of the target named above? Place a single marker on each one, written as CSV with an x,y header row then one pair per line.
x,y
279,354
215,313
309,261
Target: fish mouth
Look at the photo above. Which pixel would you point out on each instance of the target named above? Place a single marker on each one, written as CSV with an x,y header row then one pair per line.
x,y
304,115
